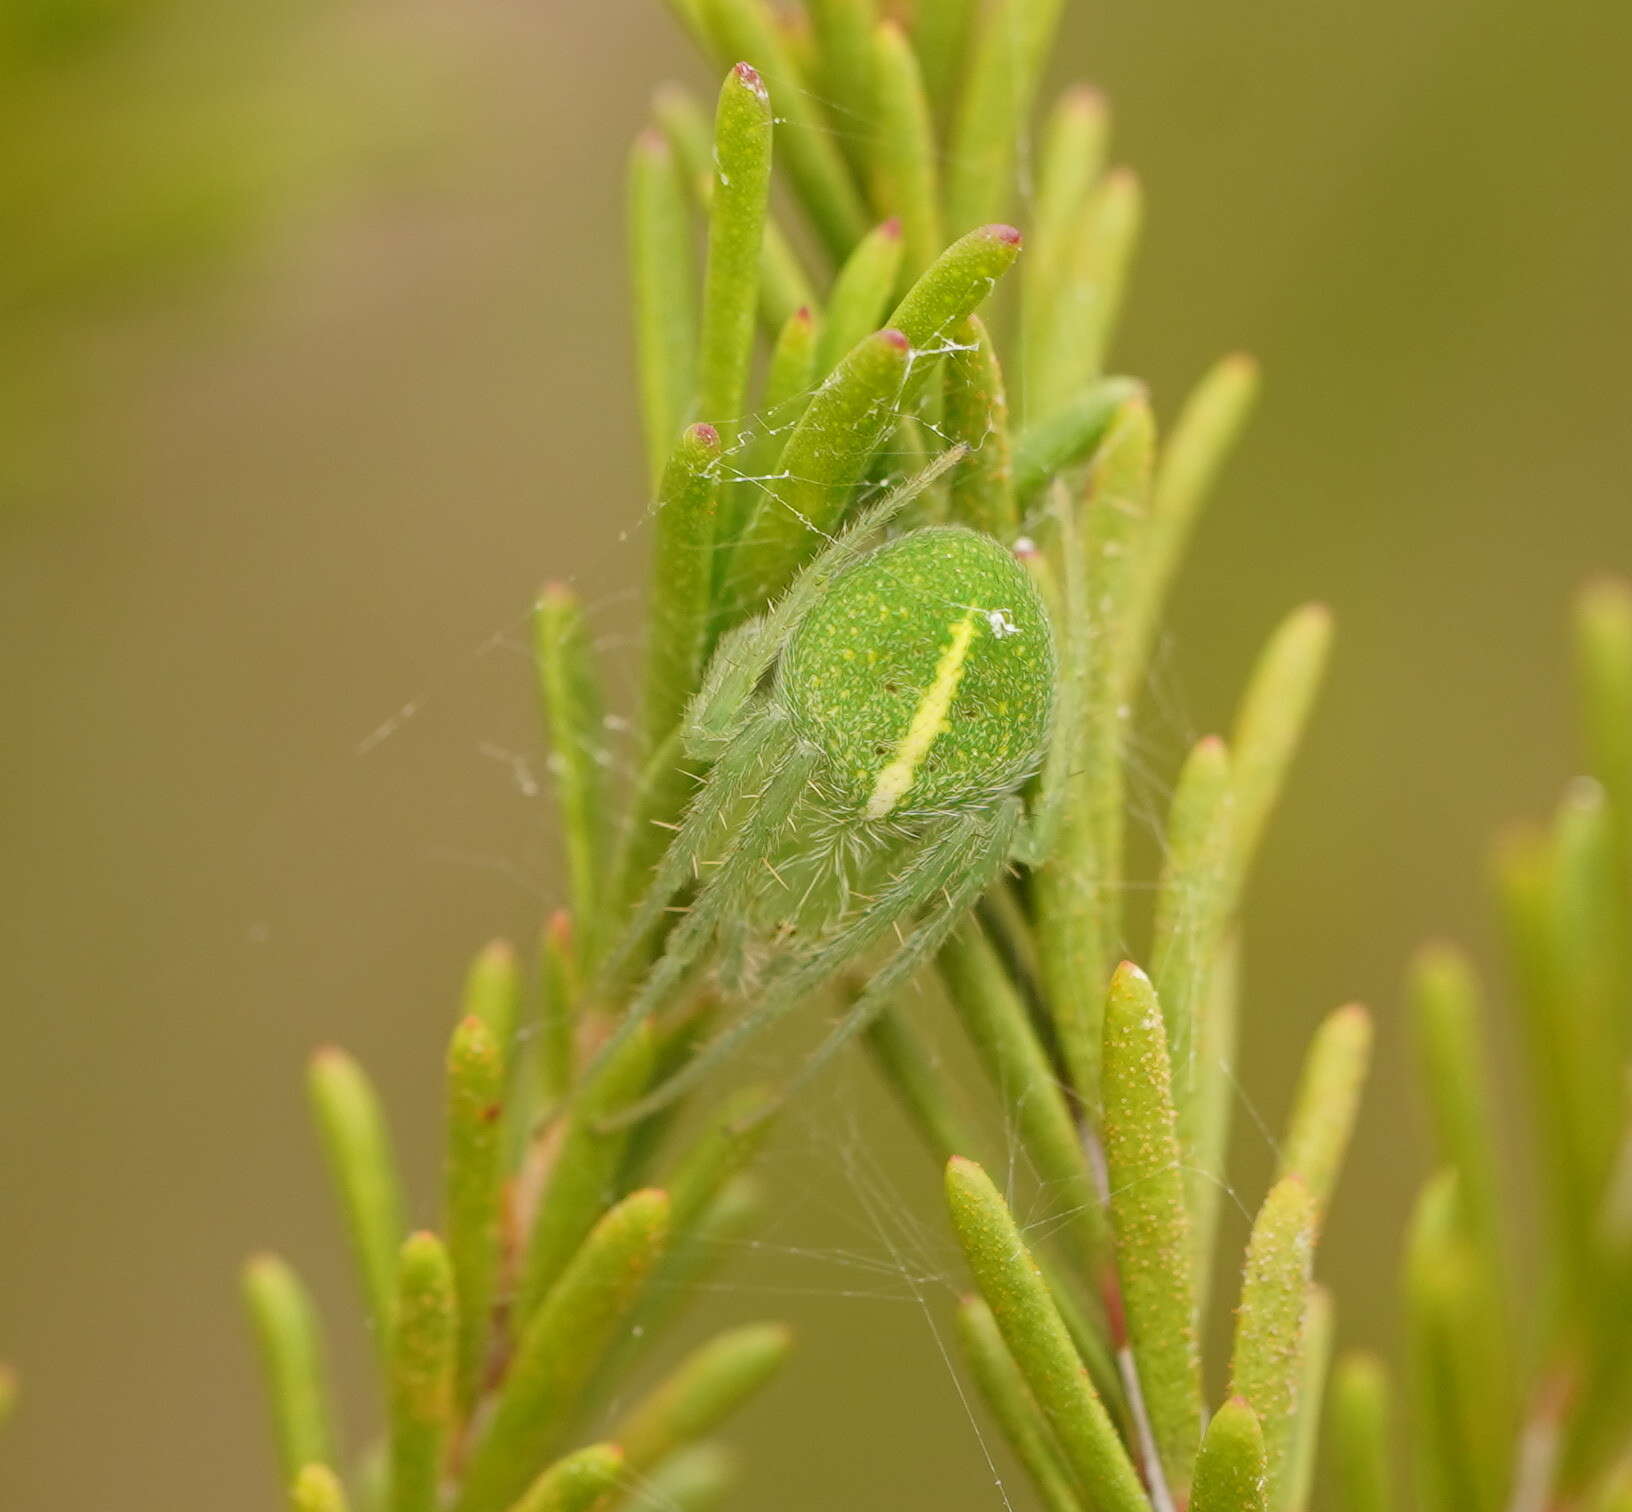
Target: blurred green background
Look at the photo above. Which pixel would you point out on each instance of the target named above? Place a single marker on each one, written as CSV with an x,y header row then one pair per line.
x,y
317,363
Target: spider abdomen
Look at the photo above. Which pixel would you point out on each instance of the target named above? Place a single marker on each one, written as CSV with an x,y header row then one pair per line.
x,y
924,675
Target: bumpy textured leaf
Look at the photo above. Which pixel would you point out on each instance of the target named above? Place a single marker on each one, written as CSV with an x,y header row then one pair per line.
x,y
424,1346
1036,1336
1014,1407
736,229
1267,1365
473,1175
561,1345
1145,1175
1230,1471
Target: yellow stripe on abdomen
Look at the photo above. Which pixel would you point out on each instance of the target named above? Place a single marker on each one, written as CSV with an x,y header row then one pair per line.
x,y
928,722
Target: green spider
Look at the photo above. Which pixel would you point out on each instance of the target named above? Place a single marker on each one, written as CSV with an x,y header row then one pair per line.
x,y
882,720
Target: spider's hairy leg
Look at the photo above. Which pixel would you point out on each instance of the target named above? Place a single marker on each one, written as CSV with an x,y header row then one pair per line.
x,y
746,653
943,861
787,774
984,850
755,744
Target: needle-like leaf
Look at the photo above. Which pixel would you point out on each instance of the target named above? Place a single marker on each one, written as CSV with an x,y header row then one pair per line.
x,y
1145,1174
903,167
784,286
1359,1436
1014,1407
473,1174
736,229
1198,445
561,1345
581,1177
843,35
1008,50
695,1480
955,285
996,1020
1328,1097
682,582
702,1391
1318,1323
560,985
1270,721
1072,153
291,1350
424,1346
579,1483
1190,918
861,294
823,461
977,414
1068,436
1266,1367
574,716
1037,1339
663,276
358,1148
816,165
940,36
1088,295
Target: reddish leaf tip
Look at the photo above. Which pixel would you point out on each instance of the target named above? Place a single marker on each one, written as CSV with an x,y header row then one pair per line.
x,y
750,76
1003,233
895,339
891,228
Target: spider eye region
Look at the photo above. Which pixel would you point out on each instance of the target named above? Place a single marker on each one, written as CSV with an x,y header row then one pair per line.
x,y
924,675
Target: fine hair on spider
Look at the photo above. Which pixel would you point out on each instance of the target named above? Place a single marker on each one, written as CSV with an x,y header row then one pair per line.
x,y
886,713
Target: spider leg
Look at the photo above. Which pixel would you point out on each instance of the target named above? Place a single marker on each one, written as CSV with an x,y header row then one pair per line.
x,y
785,781
987,852
952,857
745,654
756,741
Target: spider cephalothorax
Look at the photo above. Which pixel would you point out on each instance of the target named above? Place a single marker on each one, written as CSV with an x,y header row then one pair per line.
x,y
870,736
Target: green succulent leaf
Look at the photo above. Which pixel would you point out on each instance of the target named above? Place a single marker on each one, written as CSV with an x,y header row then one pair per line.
x,y
1014,1407
1145,1174
317,1489
703,1390
1359,1435
1230,1470
473,1175
1267,1364
355,1140
424,1350
291,1351
1036,1336
560,1346
1328,1098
